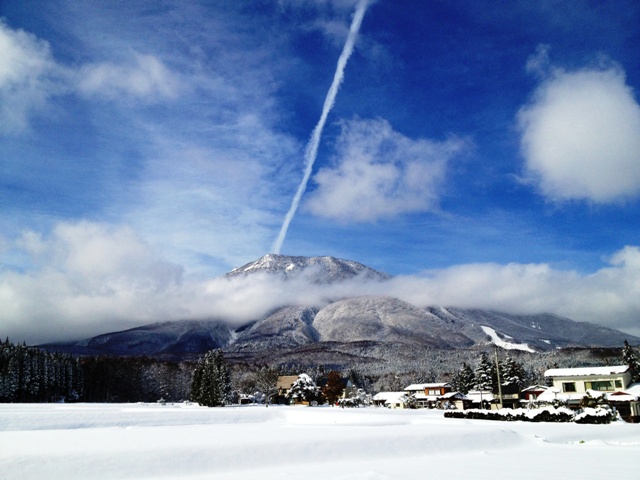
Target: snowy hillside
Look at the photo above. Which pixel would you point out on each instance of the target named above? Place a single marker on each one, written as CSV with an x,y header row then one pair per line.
x,y
383,319
179,338
287,327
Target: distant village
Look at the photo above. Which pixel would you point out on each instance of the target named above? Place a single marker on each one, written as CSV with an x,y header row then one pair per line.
x,y
573,388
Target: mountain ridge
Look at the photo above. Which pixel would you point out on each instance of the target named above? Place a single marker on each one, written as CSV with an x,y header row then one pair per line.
x,y
362,320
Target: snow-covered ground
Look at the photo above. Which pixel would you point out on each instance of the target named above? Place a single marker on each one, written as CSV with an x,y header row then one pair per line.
x,y
179,442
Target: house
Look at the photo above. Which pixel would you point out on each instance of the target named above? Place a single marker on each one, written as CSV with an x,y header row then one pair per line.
x,y
627,403
427,394
283,385
531,394
454,400
612,384
510,396
600,379
348,388
481,399
390,399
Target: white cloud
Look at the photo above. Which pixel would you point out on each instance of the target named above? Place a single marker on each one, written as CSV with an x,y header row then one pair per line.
x,y
146,78
82,276
380,173
581,135
28,77
609,297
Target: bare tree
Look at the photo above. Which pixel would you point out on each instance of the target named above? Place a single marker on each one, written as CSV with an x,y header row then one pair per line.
x,y
266,380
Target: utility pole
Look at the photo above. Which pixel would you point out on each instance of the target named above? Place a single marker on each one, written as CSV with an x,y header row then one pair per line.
x,y
499,381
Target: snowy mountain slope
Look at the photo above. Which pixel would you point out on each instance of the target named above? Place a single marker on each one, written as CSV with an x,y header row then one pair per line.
x,y
165,338
381,319
316,269
540,332
287,327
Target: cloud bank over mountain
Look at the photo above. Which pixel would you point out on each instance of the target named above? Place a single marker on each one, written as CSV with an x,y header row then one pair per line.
x,y
89,278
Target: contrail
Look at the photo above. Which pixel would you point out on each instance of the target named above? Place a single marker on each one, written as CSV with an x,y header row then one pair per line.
x,y
311,150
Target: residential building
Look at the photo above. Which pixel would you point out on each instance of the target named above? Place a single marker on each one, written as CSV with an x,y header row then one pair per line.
x,y
427,394
283,385
600,379
531,394
612,384
390,399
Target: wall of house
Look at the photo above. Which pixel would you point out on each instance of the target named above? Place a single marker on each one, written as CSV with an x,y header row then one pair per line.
x,y
605,383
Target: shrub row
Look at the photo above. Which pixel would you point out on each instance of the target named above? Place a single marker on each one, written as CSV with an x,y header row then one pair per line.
x,y
557,415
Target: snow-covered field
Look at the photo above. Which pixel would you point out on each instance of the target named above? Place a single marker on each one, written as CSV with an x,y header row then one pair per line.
x,y
136,441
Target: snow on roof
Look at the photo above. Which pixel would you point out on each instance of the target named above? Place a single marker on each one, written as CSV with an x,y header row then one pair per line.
x,y
633,389
622,397
534,388
586,371
475,396
450,395
389,397
424,386
386,396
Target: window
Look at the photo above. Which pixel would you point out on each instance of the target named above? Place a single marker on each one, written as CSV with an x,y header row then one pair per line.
x,y
618,383
601,386
569,387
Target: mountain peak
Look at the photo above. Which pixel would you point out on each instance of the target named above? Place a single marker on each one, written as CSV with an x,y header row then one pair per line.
x,y
318,269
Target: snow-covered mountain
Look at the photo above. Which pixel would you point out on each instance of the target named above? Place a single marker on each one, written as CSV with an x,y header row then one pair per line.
x,y
315,269
372,320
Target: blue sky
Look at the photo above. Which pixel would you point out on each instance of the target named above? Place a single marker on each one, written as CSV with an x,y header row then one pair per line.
x,y
487,153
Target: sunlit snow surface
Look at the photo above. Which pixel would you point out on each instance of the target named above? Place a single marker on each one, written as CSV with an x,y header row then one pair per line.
x,y
135,441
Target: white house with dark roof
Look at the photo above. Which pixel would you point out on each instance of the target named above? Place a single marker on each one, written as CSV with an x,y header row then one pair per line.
x,y
600,379
612,383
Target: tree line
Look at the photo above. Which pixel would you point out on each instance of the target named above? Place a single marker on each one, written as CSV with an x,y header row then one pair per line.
x,y
28,374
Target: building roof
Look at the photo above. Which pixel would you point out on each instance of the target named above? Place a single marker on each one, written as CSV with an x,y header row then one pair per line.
x,y
622,397
633,389
454,395
476,395
285,381
586,371
389,397
535,388
424,386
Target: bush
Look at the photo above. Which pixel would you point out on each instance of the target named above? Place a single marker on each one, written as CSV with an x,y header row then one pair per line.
x,y
556,415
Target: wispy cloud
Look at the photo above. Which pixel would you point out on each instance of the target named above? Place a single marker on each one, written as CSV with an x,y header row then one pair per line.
x,y
146,77
29,76
380,173
581,133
